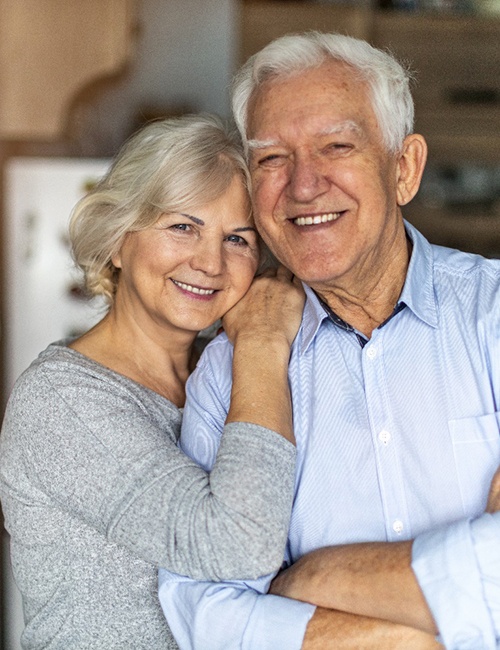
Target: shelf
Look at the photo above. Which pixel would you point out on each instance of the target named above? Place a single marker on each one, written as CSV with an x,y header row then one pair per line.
x,y
261,22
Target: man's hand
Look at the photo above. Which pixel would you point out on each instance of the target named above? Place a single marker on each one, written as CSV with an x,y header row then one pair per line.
x,y
494,496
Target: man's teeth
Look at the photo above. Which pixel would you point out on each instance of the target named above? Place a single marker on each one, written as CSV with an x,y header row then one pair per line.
x,y
197,290
319,218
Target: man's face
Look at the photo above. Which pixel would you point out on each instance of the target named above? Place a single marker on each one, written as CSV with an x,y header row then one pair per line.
x,y
324,185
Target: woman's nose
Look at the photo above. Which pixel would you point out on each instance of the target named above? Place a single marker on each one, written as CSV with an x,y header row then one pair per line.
x,y
208,257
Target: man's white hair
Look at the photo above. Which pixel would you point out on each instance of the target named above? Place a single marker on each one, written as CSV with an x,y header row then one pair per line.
x,y
387,79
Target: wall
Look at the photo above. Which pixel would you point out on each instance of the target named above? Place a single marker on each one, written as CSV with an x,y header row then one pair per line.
x,y
184,59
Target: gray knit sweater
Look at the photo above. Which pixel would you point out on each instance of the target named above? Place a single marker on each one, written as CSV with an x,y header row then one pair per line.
x,y
96,495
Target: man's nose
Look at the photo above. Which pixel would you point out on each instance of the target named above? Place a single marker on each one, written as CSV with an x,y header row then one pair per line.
x,y
307,179
208,256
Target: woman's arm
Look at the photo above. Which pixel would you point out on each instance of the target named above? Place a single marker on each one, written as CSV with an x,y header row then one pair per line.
x,y
80,439
262,327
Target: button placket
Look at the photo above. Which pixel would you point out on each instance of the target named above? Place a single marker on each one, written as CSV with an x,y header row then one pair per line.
x,y
385,446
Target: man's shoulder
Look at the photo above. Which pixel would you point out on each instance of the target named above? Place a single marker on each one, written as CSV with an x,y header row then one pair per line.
x,y
218,348
466,281
464,265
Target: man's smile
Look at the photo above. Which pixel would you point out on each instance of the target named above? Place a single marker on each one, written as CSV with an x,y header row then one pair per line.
x,y
316,219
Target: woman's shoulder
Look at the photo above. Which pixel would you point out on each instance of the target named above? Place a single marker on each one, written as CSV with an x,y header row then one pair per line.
x,y
62,373
60,363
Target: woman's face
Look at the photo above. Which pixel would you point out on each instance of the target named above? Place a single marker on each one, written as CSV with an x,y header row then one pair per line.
x,y
188,269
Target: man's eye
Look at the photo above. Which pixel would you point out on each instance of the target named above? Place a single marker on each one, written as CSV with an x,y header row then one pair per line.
x,y
271,160
338,147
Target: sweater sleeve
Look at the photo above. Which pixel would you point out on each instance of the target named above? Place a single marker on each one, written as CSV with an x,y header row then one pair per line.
x,y
197,612
104,450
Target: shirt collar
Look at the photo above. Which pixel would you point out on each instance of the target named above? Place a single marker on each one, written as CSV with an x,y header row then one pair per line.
x,y
313,316
418,290
417,294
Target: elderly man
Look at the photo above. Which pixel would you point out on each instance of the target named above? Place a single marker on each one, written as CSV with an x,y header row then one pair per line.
x,y
395,377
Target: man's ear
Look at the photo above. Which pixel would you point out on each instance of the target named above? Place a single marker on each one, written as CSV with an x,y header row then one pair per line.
x,y
410,167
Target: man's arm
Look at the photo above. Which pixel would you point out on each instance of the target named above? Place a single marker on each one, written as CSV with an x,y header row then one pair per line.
x,y
369,579
333,630
453,571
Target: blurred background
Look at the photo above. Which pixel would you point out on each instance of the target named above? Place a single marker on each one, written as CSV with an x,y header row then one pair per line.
x,y
77,77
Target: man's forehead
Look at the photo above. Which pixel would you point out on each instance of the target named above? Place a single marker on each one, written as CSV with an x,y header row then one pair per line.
x,y
329,94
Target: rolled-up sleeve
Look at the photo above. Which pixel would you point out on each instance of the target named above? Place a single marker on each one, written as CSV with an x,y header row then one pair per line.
x,y
234,616
458,569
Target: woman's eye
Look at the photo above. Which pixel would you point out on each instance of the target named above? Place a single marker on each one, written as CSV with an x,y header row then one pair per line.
x,y
181,227
236,239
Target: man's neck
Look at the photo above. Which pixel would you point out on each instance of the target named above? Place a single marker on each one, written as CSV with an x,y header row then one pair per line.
x,y
366,305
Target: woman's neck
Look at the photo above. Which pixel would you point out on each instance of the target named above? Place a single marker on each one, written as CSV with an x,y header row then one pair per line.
x,y
159,360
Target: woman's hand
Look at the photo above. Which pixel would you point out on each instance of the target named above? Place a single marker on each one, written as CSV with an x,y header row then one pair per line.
x,y
271,308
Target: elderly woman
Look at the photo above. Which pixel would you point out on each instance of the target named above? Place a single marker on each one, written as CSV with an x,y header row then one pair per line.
x,y
96,494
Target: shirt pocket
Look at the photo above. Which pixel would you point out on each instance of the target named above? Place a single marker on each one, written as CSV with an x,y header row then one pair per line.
x,y
476,446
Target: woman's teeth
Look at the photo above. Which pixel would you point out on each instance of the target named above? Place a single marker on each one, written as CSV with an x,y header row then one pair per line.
x,y
198,291
319,218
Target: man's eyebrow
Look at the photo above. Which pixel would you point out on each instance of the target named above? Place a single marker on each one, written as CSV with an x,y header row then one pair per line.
x,y
262,144
340,127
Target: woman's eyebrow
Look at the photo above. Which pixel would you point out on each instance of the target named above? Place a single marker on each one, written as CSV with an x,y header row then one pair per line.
x,y
196,220
200,222
245,229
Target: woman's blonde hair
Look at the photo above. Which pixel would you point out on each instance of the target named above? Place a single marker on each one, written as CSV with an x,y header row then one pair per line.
x,y
169,165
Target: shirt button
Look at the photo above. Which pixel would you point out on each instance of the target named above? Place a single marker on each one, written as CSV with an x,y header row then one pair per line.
x,y
371,352
384,437
397,526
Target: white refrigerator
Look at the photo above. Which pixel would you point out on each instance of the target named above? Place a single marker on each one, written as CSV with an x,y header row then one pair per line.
x,y
43,301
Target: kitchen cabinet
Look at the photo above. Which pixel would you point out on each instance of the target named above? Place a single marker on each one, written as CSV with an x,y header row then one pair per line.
x,y
49,51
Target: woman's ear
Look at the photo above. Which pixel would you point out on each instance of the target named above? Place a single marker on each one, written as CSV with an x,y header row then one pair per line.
x,y
116,259
410,167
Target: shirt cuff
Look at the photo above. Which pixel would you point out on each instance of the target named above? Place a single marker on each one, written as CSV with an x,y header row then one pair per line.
x,y
445,564
486,538
277,623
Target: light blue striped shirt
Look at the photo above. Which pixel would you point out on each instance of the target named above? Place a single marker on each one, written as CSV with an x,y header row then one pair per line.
x,y
397,439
